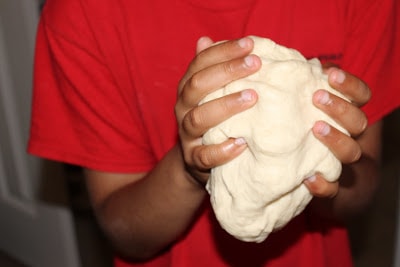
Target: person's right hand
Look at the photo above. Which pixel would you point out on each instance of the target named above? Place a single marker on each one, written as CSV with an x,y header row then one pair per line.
x,y
213,67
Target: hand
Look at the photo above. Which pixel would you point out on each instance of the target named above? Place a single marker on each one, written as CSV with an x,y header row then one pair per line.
x,y
213,67
348,115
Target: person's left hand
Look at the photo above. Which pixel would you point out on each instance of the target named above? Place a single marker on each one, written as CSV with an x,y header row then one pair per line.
x,y
348,115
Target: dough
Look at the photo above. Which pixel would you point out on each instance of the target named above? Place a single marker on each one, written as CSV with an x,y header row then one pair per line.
x,y
261,190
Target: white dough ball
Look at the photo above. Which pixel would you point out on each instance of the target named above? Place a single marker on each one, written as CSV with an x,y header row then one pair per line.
x,y
262,189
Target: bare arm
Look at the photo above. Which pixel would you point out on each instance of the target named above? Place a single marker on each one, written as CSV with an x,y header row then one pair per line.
x,y
142,214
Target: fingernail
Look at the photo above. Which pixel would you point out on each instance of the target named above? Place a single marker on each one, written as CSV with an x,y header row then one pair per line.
x,y
243,43
201,40
322,97
249,61
338,76
322,128
240,141
246,95
312,178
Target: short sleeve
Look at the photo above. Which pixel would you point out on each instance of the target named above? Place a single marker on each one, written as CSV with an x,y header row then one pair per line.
x,y
370,53
82,113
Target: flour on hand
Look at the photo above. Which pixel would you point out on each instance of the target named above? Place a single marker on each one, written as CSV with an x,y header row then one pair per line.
x,y
262,189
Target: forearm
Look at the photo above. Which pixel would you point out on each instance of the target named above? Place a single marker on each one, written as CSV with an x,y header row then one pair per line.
x,y
144,217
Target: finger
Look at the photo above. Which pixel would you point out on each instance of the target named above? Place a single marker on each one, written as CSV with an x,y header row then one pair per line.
x,y
203,43
345,148
212,55
198,120
349,85
216,76
207,157
224,51
319,187
344,113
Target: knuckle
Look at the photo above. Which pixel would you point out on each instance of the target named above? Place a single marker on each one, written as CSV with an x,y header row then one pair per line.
x,y
342,107
178,110
352,154
228,68
356,123
361,124
195,118
194,82
185,98
182,84
205,159
356,154
185,124
365,91
344,149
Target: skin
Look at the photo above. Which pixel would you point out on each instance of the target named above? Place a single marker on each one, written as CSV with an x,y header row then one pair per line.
x,y
144,213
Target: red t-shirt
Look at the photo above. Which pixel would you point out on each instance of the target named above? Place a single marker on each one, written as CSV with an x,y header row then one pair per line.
x,y
106,75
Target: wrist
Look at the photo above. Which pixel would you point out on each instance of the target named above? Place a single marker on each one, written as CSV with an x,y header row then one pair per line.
x,y
185,178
